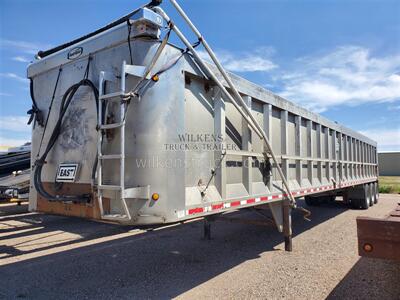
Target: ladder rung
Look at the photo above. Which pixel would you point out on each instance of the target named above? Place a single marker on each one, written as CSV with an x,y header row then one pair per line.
x,y
109,187
111,126
110,156
112,95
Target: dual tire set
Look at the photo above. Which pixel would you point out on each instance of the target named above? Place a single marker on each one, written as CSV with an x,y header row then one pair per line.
x,y
365,196
361,196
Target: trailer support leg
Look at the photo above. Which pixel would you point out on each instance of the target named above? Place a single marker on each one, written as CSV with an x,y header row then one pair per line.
x,y
287,225
207,228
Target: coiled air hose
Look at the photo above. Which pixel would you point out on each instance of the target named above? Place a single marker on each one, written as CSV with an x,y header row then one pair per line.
x,y
66,100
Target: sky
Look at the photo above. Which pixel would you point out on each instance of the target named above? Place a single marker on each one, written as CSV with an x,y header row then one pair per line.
x,y
337,58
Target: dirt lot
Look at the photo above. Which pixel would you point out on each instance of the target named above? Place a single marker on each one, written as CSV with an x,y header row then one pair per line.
x,y
43,256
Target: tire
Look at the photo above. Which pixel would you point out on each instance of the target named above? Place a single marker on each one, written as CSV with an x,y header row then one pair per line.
x,y
371,194
364,202
376,192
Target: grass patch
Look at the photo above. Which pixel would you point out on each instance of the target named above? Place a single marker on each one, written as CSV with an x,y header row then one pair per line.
x,y
389,184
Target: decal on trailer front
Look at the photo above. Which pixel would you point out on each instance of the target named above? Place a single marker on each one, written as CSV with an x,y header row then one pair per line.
x,y
66,172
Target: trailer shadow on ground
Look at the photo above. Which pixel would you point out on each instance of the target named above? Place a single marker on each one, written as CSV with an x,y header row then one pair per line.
x,y
173,260
376,278
9,210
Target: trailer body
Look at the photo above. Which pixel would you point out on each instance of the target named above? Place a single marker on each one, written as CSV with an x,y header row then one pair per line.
x,y
183,142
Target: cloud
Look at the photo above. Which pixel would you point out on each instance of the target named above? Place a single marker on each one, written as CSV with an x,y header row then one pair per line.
x,y
23,46
255,61
14,76
348,75
7,142
5,94
15,124
388,139
21,59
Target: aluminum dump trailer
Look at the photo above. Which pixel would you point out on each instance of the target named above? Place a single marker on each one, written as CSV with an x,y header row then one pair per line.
x,y
167,145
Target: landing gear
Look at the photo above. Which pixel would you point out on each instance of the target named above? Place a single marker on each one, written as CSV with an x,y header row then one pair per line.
x,y
207,228
287,225
281,212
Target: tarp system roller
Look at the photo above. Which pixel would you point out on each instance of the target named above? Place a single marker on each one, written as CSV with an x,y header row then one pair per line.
x,y
42,54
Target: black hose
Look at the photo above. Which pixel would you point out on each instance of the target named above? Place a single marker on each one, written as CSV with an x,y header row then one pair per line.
x,y
66,100
35,113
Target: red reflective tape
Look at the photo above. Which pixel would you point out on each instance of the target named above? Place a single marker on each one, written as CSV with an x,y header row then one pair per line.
x,y
196,210
251,201
264,198
285,195
236,203
275,196
217,206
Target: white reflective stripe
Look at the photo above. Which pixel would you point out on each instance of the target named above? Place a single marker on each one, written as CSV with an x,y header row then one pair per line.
x,y
258,199
180,213
243,202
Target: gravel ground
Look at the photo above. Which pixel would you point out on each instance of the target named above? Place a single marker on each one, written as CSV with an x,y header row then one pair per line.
x,y
43,256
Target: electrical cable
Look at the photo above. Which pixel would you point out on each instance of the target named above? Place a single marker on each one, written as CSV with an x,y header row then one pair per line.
x,y
35,113
129,40
66,101
168,66
48,113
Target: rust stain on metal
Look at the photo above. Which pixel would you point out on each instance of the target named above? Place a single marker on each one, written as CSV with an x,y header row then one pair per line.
x,y
382,234
83,210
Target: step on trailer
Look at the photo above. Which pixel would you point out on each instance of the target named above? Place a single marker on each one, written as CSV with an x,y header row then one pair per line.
x,y
132,129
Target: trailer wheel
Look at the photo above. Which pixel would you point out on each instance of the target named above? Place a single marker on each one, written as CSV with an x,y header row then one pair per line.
x,y
374,195
376,184
366,199
371,194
